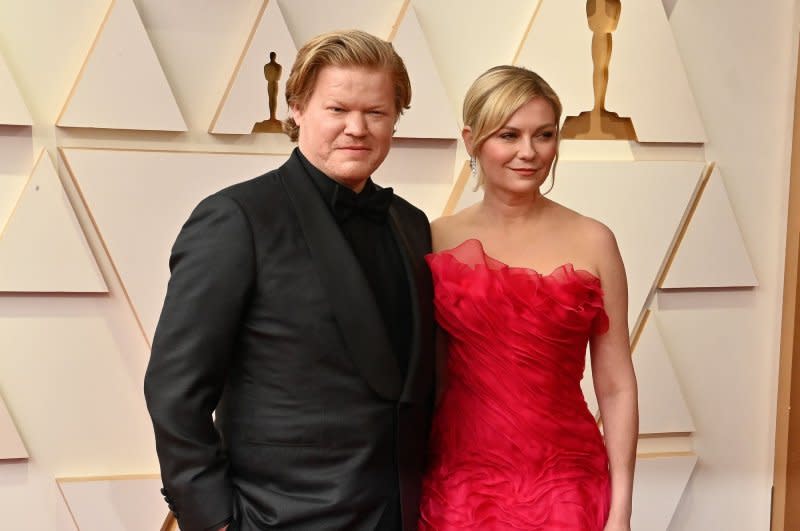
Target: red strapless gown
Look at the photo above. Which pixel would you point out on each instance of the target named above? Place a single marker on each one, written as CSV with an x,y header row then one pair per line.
x,y
514,445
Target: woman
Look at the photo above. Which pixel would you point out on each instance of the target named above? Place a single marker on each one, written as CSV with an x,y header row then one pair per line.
x,y
522,284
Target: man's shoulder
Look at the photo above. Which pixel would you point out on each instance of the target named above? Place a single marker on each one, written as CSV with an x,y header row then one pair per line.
x,y
408,209
256,186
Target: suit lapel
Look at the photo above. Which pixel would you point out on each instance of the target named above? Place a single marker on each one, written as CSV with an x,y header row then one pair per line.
x,y
340,273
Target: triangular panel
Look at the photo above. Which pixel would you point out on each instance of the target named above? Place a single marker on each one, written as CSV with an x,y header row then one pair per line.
x,y
43,248
461,60
29,497
246,99
558,47
430,115
122,84
13,110
11,187
712,253
658,485
11,445
647,80
662,407
309,18
104,504
118,187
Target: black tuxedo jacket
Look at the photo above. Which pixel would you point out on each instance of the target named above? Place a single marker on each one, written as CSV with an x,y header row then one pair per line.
x,y
270,322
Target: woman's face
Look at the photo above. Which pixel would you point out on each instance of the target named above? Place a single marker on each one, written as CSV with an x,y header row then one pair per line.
x,y
517,157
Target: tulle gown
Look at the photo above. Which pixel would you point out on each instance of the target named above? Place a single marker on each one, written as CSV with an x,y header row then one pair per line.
x,y
514,445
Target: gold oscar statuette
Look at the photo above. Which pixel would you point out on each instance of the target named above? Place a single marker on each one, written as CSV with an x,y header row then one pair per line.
x,y
600,123
272,73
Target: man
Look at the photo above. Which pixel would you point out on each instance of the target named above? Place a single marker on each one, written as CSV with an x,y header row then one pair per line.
x,y
299,309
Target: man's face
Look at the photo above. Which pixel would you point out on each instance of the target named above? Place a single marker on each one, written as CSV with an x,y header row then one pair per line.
x,y
346,125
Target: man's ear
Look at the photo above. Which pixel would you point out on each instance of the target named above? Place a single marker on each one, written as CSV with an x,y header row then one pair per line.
x,y
297,114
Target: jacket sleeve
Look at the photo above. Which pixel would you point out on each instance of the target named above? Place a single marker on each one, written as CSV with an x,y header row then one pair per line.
x,y
212,274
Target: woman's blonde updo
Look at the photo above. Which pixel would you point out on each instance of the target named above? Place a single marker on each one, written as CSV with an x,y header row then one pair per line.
x,y
496,95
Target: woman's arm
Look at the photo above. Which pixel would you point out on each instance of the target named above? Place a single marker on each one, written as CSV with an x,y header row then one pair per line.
x,y
615,382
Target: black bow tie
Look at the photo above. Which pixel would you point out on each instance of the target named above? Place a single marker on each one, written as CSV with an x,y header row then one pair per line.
x,y
373,206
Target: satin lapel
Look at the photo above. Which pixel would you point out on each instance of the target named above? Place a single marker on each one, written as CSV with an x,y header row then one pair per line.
x,y
416,380
350,296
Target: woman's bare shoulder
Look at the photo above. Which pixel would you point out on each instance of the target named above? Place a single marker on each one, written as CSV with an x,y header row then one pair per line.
x,y
450,231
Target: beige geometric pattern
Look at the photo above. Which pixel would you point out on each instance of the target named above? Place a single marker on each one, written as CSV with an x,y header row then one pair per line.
x,y
138,226
114,503
13,110
136,188
660,480
712,253
11,187
569,71
430,115
43,248
245,99
121,84
460,60
307,18
647,80
11,445
662,407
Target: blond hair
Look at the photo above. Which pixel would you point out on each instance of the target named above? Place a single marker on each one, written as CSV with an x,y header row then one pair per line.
x,y
497,94
350,48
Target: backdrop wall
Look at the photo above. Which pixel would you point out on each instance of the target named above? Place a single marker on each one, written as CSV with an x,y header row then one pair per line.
x,y
116,117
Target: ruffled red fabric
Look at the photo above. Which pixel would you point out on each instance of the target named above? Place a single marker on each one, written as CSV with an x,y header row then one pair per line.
x,y
514,445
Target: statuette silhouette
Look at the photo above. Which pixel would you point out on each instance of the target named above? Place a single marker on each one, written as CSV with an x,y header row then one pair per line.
x,y
272,73
600,123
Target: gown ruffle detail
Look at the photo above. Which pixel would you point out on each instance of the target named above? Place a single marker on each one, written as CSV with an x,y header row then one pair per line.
x,y
514,445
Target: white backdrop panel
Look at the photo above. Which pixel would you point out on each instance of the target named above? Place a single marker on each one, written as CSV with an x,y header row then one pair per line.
x,y
658,485
431,114
559,48
11,187
11,446
125,504
43,248
13,110
74,381
647,81
30,495
662,408
308,18
122,85
466,38
139,201
711,253
246,103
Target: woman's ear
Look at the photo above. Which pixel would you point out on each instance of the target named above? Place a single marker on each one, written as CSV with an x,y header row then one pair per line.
x,y
466,134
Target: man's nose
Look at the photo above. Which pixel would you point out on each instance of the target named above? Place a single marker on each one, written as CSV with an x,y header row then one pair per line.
x,y
356,124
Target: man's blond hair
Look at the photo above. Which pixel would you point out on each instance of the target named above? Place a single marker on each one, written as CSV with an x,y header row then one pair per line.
x,y
350,48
